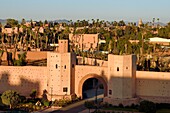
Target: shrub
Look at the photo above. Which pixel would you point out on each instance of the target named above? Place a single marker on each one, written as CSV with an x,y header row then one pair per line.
x,y
62,102
23,99
147,107
89,104
46,103
121,105
106,105
11,98
163,106
33,94
21,59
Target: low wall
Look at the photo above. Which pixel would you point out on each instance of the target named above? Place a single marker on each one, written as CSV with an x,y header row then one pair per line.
x,y
92,61
31,55
23,79
154,86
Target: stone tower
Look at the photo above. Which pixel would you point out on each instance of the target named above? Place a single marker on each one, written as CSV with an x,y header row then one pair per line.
x,y
121,78
61,72
140,23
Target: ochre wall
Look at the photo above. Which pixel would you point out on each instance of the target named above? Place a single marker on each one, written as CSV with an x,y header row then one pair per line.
x,y
92,61
31,55
23,79
154,86
59,69
121,76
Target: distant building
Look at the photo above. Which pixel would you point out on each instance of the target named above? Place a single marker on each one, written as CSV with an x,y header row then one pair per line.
x,y
140,23
9,31
158,40
84,41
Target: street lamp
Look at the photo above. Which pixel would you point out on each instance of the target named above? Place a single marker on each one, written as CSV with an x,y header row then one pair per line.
x,y
51,92
96,96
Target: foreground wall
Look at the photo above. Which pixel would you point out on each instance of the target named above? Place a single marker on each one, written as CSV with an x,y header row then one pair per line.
x,y
23,79
30,55
154,86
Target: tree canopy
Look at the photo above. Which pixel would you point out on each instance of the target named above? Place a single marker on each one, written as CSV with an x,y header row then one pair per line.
x,y
10,98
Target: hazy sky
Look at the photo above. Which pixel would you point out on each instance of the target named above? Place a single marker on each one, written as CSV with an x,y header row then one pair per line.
x,y
128,10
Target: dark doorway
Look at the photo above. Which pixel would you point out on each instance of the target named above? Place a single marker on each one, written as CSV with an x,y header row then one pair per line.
x,y
92,87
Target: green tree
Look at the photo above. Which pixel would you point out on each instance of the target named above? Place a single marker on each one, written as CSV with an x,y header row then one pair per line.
x,y
12,22
21,59
11,98
147,107
153,21
1,54
33,94
89,105
23,21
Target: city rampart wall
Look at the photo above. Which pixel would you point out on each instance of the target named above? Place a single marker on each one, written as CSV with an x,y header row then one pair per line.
x,y
23,79
31,55
154,86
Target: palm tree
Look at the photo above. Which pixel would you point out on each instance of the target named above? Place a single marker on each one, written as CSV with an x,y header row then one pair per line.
x,y
158,22
153,21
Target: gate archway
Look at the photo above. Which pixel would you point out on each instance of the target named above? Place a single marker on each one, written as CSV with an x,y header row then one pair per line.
x,y
99,78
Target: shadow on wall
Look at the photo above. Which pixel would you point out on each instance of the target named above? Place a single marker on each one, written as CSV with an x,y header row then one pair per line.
x,y
153,89
19,84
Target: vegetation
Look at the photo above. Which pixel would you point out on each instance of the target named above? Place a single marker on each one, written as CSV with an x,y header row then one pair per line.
x,y
89,105
10,98
118,36
21,59
147,107
62,102
144,107
33,94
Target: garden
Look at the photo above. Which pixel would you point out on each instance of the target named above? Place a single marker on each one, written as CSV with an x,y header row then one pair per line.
x,y
12,101
143,107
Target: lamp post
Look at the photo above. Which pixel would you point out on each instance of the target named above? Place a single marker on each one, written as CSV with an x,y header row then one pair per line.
x,y
51,92
96,94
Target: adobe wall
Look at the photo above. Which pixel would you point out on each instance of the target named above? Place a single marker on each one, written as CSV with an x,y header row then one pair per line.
x,y
154,86
30,55
92,61
122,73
23,79
59,71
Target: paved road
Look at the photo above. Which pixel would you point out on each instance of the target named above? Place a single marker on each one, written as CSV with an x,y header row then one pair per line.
x,y
77,107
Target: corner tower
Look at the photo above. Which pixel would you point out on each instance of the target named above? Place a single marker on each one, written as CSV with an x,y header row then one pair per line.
x,y
61,72
121,79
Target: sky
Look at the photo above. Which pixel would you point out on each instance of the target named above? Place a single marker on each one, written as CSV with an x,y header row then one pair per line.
x,y
108,10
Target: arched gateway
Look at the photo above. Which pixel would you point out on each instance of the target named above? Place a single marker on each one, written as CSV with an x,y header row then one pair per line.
x,y
66,77
88,76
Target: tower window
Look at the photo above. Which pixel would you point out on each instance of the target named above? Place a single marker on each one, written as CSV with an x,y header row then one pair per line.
x,y
65,67
110,92
56,66
117,68
64,89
